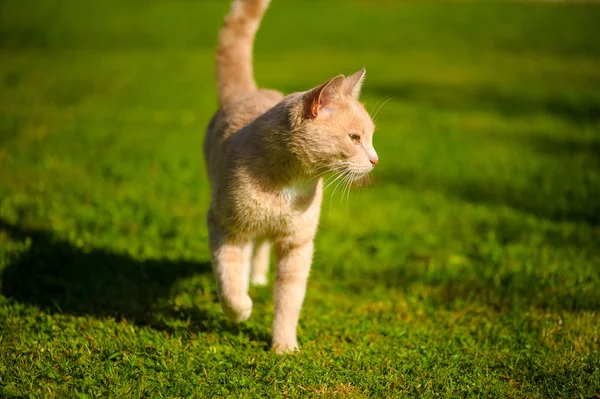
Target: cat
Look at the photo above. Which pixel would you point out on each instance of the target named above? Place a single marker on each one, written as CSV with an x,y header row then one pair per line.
x,y
265,154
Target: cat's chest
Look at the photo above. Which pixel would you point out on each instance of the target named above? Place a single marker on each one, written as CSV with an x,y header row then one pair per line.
x,y
291,208
299,192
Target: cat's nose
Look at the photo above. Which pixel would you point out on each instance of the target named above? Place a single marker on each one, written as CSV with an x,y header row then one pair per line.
x,y
372,155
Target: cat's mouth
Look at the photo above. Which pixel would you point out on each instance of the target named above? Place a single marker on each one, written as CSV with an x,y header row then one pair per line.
x,y
343,176
342,171
361,172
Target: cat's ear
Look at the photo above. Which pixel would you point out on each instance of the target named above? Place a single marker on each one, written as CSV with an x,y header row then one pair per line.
x,y
353,84
321,96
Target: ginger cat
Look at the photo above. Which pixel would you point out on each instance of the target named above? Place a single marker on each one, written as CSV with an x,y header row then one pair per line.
x,y
264,155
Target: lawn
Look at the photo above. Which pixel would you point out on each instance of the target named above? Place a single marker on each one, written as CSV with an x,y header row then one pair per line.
x,y
470,267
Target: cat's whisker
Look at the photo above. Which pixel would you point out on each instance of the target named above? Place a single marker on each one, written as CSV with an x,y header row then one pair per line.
x,y
376,104
323,169
339,182
379,109
345,187
337,176
328,180
350,188
321,174
333,168
344,175
328,166
354,174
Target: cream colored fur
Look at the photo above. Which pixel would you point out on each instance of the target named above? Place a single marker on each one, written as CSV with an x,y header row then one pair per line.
x,y
264,154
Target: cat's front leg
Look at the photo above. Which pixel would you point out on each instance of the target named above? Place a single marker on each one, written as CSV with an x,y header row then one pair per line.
x,y
293,267
231,265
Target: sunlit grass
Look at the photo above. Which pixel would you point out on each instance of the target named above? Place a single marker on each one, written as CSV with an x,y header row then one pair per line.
x,y
470,267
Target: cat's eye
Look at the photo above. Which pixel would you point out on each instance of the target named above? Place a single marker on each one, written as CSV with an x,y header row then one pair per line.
x,y
355,138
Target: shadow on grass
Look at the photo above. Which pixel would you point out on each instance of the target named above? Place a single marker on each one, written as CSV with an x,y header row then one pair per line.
x,y
483,274
505,291
61,278
512,289
561,202
565,148
574,109
531,199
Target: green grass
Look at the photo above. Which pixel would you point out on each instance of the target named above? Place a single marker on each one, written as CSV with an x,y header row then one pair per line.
x,y
470,268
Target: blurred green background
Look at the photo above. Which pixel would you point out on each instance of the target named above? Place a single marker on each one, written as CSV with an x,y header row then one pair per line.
x,y
469,268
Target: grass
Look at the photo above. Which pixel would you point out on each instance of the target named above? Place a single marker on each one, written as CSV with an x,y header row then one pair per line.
x,y
469,268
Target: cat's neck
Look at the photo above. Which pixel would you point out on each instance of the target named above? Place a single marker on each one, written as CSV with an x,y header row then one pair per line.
x,y
268,150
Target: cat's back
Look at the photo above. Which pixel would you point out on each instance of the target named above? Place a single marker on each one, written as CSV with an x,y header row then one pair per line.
x,y
233,116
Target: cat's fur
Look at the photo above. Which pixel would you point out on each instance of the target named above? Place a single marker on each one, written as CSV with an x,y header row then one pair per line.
x,y
263,153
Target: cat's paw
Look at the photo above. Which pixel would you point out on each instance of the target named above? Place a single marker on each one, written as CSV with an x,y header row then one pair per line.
x,y
285,347
238,308
259,281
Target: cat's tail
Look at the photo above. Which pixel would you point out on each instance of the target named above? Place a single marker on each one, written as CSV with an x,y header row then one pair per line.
x,y
234,53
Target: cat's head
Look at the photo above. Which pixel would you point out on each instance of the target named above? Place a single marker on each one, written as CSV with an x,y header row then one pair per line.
x,y
333,130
